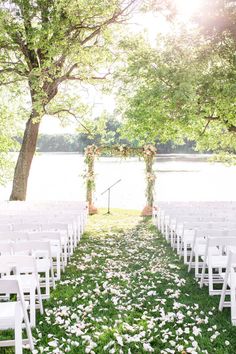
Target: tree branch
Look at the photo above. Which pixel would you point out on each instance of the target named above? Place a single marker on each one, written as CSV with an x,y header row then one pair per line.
x,y
71,113
229,127
205,128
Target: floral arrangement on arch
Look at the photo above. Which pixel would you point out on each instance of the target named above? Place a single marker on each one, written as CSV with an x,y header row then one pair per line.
x,y
91,151
124,150
149,151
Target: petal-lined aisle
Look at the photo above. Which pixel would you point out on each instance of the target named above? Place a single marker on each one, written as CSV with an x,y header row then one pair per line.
x,y
125,291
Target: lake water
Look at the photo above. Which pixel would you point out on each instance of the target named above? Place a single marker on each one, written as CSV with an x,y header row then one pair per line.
x,y
58,176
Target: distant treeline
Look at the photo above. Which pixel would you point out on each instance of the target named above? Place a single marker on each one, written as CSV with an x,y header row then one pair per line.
x,y
78,142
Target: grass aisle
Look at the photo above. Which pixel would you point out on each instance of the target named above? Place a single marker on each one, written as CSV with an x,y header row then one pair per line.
x,y
125,291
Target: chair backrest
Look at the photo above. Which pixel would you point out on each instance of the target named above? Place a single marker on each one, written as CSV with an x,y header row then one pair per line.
x,y
21,263
211,233
221,241
11,286
210,225
45,235
26,227
55,226
5,227
231,259
35,248
5,248
12,236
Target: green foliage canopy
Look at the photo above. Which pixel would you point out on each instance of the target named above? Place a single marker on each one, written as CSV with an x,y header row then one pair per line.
x,y
182,88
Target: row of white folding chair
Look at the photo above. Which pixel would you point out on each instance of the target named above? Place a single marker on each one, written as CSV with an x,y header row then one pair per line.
x,y
213,245
57,241
48,212
67,228
73,221
61,228
24,267
198,247
190,205
170,219
24,207
175,229
186,234
160,214
41,250
19,328
221,264
13,314
170,230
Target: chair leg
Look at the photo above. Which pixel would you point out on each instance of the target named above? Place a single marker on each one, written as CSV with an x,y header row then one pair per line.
x,y
223,292
233,299
47,283
40,298
18,335
203,273
58,266
210,280
185,252
32,307
196,265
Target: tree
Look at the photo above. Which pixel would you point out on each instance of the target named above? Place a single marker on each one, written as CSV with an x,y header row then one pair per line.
x,y
183,88
45,43
9,126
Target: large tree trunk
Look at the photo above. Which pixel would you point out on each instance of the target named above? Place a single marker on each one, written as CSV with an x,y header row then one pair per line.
x,y
25,157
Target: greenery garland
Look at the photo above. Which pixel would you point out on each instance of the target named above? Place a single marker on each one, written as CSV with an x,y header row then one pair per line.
x,y
90,153
148,153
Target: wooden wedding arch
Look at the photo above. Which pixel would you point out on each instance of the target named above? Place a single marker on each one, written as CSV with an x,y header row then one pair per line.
x,y
147,152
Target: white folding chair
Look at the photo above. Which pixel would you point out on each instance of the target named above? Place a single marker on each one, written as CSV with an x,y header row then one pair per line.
x,y
41,250
215,258
199,247
58,244
13,314
66,229
25,268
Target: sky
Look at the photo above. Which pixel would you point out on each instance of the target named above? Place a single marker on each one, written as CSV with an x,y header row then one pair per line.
x,y
151,24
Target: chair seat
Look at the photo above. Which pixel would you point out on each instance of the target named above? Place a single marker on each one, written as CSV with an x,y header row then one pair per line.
x,y
43,265
188,238
218,261
200,249
7,314
28,282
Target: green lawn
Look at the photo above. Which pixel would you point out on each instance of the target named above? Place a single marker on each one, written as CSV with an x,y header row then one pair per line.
x,y
125,291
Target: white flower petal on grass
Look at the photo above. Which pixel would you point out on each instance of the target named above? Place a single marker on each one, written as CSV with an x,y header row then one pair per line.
x,y
53,343
119,339
148,348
